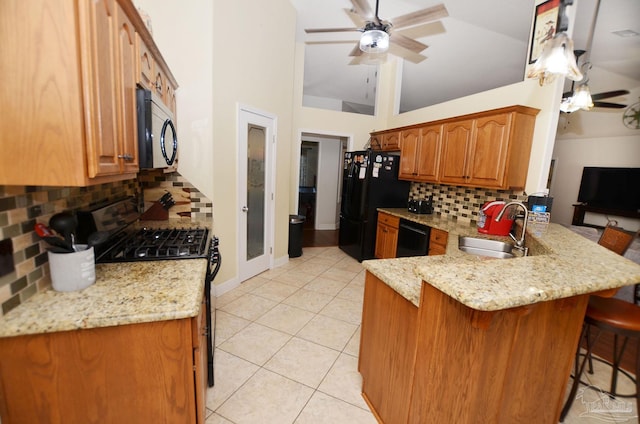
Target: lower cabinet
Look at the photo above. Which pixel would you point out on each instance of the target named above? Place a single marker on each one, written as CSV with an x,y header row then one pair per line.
x,y
386,236
438,242
443,362
139,373
389,342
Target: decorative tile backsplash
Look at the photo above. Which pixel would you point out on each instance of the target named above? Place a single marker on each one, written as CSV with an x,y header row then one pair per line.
x,y
201,207
21,207
461,203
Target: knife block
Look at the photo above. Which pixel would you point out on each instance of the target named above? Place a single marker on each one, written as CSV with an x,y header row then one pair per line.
x,y
155,213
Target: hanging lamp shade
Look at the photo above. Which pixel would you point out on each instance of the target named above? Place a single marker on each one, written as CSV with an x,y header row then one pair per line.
x,y
374,41
581,99
557,58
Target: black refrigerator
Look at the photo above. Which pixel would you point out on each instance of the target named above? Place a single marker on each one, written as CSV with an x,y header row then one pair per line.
x,y
369,181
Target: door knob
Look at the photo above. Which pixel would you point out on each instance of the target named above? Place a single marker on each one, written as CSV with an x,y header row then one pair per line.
x,y
245,209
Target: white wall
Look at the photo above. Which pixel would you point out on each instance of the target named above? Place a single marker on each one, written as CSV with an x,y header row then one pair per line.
x,y
329,172
593,138
223,54
184,34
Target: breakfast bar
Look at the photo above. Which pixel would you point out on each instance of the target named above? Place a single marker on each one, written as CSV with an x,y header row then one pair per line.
x,y
462,338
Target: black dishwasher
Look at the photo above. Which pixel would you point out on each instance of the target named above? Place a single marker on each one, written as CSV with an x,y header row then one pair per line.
x,y
413,239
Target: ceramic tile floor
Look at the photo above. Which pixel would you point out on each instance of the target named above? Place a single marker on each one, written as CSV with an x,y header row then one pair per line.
x,y
287,348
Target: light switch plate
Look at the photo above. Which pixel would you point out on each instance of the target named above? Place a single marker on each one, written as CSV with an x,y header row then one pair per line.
x,y
6,257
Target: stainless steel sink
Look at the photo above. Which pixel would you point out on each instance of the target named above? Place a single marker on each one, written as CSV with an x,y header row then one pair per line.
x,y
484,247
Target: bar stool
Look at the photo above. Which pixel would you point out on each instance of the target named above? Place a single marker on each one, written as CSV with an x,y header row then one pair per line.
x,y
609,314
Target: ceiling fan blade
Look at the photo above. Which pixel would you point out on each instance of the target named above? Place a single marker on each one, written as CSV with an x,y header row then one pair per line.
x,y
421,16
356,51
407,43
424,30
608,94
609,105
319,30
369,59
355,18
363,9
405,54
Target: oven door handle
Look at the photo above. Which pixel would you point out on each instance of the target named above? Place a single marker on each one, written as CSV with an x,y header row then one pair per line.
x,y
413,229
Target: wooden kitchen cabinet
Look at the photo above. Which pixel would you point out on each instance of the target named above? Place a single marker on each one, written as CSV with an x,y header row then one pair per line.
x,y
68,102
443,362
438,242
145,65
152,75
489,149
391,141
386,236
151,372
486,149
127,110
386,141
420,153
455,152
160,84
388,341
199,340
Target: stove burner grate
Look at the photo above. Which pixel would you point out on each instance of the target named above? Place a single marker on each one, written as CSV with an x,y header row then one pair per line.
x,y
157,244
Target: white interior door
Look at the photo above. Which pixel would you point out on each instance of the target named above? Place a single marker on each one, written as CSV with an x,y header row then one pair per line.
x,y
256,132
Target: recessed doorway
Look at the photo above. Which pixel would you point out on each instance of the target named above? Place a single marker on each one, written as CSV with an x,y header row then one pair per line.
x,y
320,184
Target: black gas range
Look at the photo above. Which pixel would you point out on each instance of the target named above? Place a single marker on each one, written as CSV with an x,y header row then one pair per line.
x,y
128,242
149,244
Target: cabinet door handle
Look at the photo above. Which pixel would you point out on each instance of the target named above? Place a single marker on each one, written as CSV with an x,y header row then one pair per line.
x,y
126,156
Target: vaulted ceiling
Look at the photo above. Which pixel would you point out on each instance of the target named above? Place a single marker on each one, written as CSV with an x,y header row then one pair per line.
x,y
481,45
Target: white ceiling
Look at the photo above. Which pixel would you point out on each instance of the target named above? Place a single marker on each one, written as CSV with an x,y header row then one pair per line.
x,y
479,46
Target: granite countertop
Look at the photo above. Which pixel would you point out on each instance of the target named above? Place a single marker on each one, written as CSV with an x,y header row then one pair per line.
x,y
124,293
560,264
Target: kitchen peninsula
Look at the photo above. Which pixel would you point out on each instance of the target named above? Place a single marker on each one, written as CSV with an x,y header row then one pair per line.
x,y
465,339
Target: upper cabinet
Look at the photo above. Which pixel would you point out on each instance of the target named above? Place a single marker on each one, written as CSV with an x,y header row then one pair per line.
x,y
488,149
145,65
420,153
385,141
69,78
155,77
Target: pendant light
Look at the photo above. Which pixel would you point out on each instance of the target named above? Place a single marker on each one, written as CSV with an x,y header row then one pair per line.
x,y
557,56
581,97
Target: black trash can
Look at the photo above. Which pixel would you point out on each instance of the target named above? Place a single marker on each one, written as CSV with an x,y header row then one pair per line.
x,y
296,222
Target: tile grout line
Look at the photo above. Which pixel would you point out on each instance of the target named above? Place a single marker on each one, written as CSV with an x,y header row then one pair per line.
x,y
291,337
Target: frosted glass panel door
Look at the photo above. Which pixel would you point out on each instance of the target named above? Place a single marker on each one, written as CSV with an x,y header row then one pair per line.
x,y
256,140
255,194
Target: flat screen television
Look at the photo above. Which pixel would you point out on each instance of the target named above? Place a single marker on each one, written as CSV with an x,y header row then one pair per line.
x,y
611,188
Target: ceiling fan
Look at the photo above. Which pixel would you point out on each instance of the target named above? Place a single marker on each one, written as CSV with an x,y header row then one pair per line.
x,y
377,34
580,97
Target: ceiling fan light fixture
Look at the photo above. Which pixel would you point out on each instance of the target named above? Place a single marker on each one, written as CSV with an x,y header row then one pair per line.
x,y
374,41
557,58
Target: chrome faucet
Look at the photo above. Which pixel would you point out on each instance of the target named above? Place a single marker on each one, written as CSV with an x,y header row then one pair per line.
x,y
519,243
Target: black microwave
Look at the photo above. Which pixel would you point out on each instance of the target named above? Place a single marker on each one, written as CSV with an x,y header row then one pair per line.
x,y
157,136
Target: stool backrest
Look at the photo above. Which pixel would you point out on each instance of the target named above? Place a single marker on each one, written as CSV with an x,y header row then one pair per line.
x,y
616,239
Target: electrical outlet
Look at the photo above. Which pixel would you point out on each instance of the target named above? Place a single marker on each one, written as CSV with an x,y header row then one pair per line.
x,y
6,257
